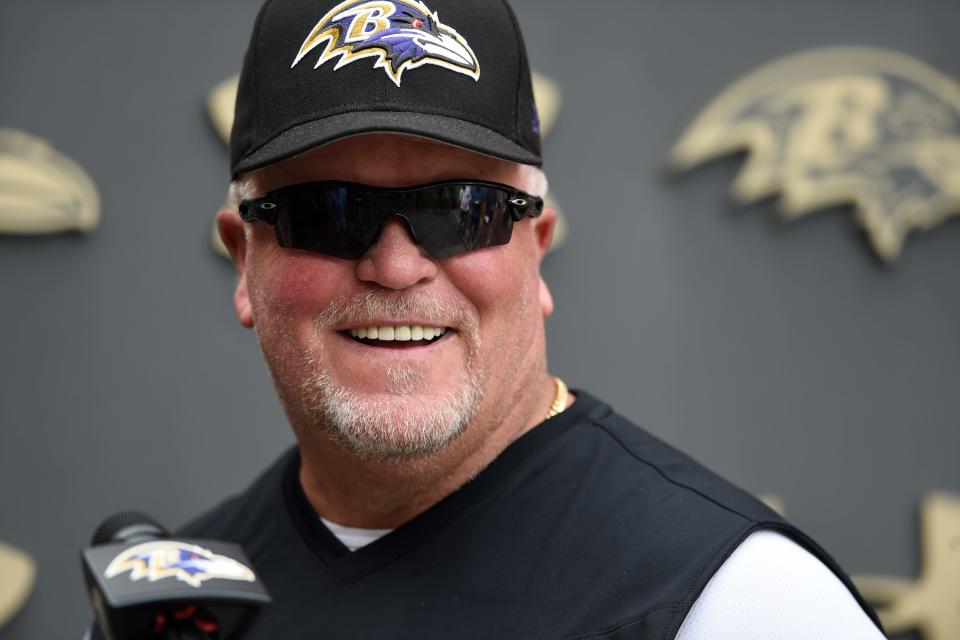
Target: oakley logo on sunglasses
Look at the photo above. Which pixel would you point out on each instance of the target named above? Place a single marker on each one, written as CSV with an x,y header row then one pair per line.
x,y
398,34
345,219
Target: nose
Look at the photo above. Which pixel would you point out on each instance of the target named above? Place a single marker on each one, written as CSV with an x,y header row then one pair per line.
x,y
396,261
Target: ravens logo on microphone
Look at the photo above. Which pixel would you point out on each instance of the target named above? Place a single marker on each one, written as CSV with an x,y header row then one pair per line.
x,y
398,34
174,559
868,127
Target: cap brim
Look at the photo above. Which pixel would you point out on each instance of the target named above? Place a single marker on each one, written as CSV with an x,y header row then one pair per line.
x,y
308,135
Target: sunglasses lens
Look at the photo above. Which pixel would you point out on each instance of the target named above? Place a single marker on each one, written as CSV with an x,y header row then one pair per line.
x,y
454,219
331,220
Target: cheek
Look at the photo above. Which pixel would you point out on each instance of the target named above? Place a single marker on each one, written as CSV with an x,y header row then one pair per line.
x,y
501,284
289,287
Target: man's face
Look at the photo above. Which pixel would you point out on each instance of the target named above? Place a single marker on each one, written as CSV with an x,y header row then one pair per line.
x,y
400,398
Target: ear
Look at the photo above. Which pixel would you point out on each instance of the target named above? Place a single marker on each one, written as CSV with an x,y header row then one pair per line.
x,y
234,239
543,227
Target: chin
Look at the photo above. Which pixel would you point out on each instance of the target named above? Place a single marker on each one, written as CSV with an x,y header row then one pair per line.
x,y
398,423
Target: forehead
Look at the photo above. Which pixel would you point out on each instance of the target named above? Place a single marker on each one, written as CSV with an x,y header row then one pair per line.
x,y
385,160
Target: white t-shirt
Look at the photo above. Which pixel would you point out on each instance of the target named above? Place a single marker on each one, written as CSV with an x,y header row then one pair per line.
x,y
772,588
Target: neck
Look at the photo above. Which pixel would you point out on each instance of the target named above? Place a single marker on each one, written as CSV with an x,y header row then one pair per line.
x,y
379,494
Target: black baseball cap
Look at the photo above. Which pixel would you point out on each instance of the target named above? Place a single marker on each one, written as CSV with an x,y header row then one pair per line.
x,y
319,70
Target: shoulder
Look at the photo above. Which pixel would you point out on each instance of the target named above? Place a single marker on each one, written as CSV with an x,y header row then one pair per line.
x,y
773,587
683,520
640,460
238,518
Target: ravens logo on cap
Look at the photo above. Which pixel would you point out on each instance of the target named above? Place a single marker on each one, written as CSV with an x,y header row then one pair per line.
x,y
399,34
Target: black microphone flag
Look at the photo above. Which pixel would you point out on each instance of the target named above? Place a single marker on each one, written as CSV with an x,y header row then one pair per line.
x,y
145,584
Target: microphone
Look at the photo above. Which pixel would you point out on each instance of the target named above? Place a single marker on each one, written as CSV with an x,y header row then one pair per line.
x,y
144,584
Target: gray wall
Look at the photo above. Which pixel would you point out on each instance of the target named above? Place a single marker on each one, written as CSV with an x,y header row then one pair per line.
x,y
783,356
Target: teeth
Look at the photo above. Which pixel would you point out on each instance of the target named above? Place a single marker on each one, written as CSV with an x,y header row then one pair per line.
x,y
402,333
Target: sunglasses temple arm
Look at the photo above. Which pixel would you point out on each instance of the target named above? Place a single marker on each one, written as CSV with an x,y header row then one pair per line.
x,y
531,210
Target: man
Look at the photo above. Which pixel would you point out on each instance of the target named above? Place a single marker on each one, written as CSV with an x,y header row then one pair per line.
x,y
387,234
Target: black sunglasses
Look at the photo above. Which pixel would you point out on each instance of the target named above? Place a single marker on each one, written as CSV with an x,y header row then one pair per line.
x,y
344,219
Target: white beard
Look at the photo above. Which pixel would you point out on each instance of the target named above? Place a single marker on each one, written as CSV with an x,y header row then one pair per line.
x,y
400,425
396,427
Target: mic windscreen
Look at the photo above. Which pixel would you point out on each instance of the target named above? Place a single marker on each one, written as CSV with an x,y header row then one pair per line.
x,y
128,526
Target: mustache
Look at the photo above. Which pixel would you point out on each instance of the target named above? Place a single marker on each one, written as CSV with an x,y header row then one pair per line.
x,y
378,305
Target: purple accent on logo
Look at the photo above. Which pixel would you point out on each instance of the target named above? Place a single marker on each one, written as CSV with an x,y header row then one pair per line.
x,y
534,118
186,561
399,41
409,31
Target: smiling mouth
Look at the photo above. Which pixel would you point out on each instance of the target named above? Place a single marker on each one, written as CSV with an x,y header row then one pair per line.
x,y
397,337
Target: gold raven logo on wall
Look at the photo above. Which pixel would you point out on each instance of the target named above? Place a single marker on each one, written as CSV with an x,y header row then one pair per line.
x,y
868,127
41,189
17,575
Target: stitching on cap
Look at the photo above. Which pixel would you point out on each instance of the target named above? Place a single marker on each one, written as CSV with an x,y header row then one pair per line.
x,y
258,148
523,55
350,108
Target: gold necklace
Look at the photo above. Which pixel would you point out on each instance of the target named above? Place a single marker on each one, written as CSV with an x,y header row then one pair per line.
x,y
560,399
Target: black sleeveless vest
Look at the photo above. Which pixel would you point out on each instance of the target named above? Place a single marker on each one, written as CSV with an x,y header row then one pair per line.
x,y
585,528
